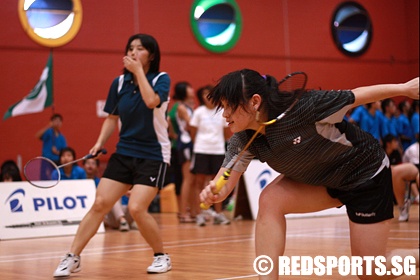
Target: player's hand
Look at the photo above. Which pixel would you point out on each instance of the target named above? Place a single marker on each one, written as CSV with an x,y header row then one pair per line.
x,y
132,65
208,196
95,149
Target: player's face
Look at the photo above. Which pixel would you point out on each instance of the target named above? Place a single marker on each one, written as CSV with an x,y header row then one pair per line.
x,y
239,119
139,53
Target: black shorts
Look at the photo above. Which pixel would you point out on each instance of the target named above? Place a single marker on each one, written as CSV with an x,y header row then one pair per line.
x,y
371,202
133,171
206,164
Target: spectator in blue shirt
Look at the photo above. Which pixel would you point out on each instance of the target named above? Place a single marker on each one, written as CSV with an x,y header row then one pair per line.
x,y
405,132
52,138
52,142
389,124
71,171
414,119
369,118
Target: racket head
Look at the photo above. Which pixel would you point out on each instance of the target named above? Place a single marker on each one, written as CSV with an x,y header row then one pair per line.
x,y
42,172
294,82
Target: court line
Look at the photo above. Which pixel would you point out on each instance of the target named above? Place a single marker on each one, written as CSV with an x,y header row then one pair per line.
x,y
187,243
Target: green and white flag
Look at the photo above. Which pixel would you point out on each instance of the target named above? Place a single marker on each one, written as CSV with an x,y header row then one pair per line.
x,y
40,97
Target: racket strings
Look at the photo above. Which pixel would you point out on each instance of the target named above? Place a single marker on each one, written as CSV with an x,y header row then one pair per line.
x,y
293,83
41,172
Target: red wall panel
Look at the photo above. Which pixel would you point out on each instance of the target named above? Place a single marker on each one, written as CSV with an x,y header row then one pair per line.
x,y
278,36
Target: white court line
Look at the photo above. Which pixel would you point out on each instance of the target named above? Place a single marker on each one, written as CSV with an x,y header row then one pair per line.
x,y
214,239
188,243
146,248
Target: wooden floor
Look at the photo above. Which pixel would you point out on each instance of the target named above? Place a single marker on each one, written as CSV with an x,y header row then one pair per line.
x,y
211,252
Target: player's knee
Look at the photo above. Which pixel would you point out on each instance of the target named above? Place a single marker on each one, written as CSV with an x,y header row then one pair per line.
x,y
101,205
270,203
136,209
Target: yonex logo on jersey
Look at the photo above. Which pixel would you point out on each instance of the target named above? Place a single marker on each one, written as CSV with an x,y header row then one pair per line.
x,y
14,201
152,179
297,140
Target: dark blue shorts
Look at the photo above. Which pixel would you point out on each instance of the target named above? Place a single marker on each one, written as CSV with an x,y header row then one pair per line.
x,y
184,152
133,171
371,202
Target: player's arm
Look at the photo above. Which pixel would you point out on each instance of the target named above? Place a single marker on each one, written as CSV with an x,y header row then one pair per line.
x,y
108,127
368,94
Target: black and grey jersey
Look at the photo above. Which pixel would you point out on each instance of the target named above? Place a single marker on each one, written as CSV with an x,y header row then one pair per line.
x,y
314,145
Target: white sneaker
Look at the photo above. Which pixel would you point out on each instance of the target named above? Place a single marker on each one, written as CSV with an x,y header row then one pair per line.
x,y
124,226
69,264
208,214
200,220
404,211
161,264
220,219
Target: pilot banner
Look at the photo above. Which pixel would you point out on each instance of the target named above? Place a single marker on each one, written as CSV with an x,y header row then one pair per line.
x,y
27,211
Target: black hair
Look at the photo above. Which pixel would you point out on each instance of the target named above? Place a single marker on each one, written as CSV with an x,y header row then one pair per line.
x,y
56,116
237,88
414,108
180,90
9,169
150,44
385,103
11,173
96,161
201,91
67,149
401,105
388,139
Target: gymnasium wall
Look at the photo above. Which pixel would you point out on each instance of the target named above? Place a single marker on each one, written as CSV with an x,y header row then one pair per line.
x,y
278,36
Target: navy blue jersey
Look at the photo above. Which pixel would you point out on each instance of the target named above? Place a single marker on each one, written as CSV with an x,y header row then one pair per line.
x,y
144,131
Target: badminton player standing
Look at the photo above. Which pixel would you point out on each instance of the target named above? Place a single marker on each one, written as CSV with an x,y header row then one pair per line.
x,y
142,155
325,162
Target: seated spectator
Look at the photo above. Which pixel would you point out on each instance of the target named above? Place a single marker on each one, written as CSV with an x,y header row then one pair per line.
x,y
411,155
402,174
10,172
392,148
71,171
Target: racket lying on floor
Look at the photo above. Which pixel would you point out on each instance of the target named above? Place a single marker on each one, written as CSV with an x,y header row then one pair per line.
x,y
293,83
43,173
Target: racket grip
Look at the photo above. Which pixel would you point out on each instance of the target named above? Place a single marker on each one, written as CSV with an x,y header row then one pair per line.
x,y
221,182
101,151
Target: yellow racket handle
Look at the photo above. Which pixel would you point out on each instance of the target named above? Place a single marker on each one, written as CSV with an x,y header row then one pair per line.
x,y
221,182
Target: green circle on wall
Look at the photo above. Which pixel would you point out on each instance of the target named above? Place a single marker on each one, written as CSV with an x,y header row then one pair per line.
x,y
216,24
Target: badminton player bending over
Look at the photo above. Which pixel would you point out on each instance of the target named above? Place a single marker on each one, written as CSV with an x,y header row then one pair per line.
x,y
142,155
325,161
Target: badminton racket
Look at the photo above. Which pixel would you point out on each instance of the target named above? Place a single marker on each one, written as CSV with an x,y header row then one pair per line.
x,y
292,83
43,173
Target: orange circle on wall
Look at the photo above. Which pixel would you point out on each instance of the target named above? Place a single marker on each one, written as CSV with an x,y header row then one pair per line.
x,y
50,23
